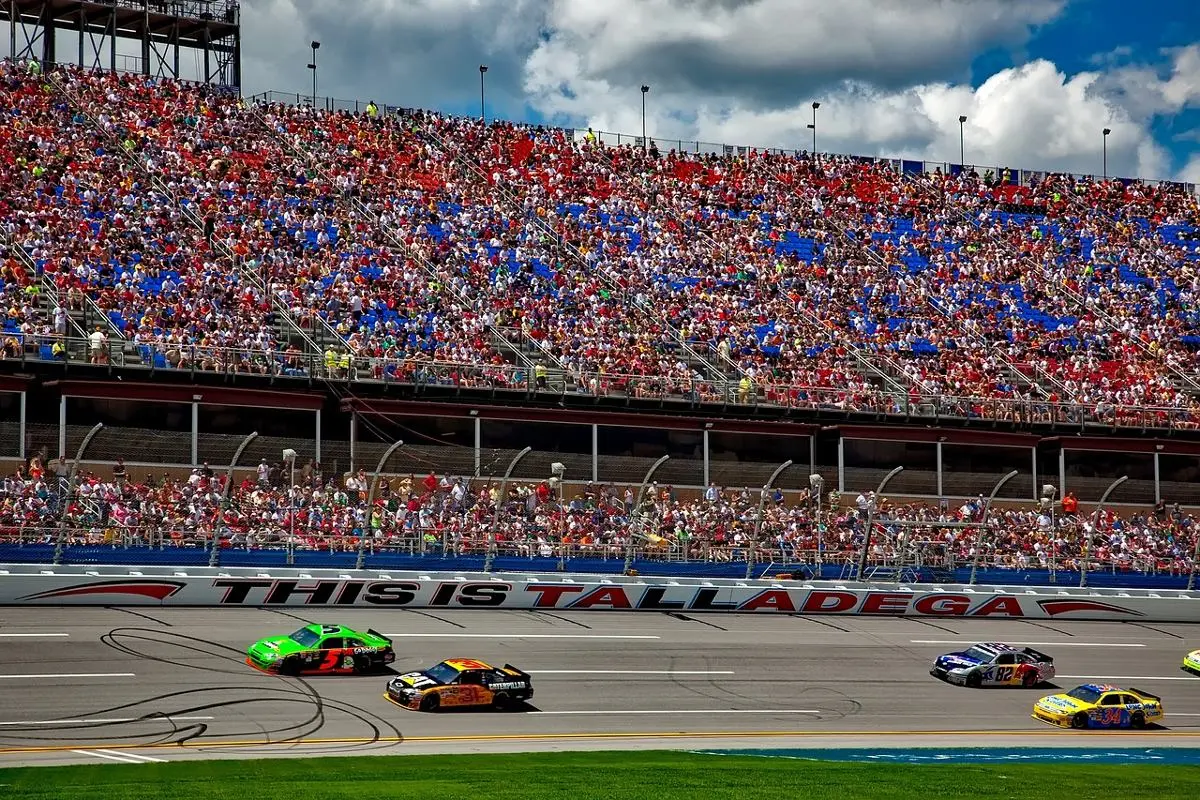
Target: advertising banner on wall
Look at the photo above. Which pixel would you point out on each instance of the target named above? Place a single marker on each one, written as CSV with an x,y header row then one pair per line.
x,y
650,595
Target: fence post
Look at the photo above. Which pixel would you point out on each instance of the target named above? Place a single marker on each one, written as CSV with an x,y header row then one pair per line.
x,y
362,540
866,551
70,492
1087,547
491,538
758,519
987,507
637,512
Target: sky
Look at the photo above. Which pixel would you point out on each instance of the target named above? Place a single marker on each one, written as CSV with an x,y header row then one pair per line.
x,y
1038,80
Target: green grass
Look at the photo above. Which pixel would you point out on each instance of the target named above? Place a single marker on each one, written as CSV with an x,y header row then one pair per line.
x,y
586,775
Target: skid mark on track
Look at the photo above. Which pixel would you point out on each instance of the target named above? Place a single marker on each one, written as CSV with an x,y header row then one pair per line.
x,y
458,625
826,623
138,614
685,618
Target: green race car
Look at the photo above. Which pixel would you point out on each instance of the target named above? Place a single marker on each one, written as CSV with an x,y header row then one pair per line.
x,y
322,650
1191,662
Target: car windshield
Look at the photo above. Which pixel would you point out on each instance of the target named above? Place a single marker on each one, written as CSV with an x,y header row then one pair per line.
x,y
304,637
1085,694
977,654
442,673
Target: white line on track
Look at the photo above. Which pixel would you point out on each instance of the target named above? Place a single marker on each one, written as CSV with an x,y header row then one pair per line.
x,y
69,675
1129,677
520,636
102,721
630,671
33,635
1034,644
684,711
124,758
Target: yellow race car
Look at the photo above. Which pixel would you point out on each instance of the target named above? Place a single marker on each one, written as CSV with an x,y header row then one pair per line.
x,y
1100,705
1191,662
461,682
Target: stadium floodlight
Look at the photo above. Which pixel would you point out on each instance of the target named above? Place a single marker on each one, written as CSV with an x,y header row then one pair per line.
x,y
483,68
289,455
813,125
816,482
645,144
1104,138
315,45
1049,491
962,142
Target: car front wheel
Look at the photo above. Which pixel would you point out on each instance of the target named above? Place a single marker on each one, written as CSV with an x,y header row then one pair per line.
x,y
1080,720
974,680
430,702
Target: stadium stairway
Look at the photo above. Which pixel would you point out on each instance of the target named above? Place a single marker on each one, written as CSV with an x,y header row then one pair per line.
x,y
288,330
471,170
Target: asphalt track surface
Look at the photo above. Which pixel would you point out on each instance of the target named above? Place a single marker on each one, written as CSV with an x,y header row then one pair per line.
x,y
112,685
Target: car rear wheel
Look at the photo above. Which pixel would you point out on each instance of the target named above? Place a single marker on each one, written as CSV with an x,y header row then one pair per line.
x,y
1138,720
1029,679
362,665
502,702
1080,720
974,680
430,702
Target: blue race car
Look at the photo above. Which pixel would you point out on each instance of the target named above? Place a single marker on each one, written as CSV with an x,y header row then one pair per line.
x,y
994,664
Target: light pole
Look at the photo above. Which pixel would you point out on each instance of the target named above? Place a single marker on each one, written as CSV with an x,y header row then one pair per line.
x,y
289,457
758,520
491,548
1087,549
816,486
358,564
637,510
1104,138
645,144
315,45
65,505
482,71
1049,492
866,551
962,142
813,126
987,507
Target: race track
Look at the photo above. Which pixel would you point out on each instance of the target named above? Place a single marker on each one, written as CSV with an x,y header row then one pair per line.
x,y
99,685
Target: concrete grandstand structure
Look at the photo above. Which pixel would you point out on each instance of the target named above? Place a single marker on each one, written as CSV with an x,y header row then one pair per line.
x,y
188,266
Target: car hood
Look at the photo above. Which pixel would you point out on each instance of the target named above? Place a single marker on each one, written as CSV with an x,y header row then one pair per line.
x,y
1062,703
278,646
1194,655
957,661
412,679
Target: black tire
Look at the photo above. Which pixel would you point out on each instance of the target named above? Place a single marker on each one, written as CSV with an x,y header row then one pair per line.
x,y
363,665
430,702
1029,679
501,701
1138,720
1080,720
974,680
290,667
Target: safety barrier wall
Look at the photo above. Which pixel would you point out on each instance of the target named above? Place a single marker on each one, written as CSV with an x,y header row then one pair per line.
x,y
23,585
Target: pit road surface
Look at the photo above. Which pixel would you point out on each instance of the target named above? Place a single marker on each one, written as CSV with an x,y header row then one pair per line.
x,y
144,685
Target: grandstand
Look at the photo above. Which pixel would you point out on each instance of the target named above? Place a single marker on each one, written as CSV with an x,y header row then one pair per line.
x,y
397,270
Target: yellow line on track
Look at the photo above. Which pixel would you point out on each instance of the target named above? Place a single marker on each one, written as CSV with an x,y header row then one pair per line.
x,y
516,737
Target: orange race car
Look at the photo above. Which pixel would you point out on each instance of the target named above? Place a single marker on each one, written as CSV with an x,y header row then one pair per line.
x,y
461,682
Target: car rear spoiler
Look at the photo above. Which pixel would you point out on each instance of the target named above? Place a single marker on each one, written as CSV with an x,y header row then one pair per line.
x,y
374,632
1145,694
1042,657
521,672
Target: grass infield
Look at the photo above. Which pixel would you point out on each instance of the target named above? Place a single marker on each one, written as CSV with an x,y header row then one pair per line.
x,y
608,775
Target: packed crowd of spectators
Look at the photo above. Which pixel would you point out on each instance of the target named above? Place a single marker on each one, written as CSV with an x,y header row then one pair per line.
x,y
448,515
208,229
